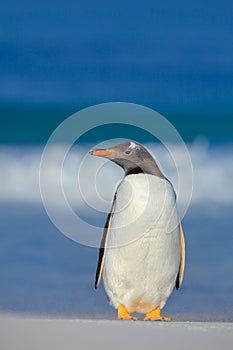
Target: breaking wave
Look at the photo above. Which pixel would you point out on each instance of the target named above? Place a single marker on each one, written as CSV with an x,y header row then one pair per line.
x,y
19,175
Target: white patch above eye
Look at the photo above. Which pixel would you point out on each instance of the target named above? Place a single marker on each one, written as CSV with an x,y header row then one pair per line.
x,y
132,145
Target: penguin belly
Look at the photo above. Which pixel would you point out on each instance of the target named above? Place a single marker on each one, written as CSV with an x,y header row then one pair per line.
x,y
142,258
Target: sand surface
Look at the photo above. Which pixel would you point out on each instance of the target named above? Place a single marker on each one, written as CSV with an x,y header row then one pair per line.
x,y
37,333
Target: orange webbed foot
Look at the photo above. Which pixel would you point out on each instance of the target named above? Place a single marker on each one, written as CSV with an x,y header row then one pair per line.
x,y
123,314
155,315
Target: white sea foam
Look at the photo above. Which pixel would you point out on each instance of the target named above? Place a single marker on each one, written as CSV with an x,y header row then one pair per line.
x,y
19,174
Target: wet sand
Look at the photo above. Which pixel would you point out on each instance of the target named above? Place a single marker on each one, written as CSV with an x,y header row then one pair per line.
x,y
43,333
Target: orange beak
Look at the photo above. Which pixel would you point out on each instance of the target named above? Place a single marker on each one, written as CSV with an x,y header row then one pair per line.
x,y
102,152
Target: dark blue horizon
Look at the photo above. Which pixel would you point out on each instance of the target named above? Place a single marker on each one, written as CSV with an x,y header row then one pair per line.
x,y
176,58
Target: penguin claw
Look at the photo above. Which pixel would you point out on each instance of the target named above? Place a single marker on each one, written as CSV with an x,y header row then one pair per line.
x,y
161,318
126,318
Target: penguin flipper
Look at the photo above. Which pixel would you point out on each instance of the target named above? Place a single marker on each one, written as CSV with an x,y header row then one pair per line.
x,y
182,259
103,245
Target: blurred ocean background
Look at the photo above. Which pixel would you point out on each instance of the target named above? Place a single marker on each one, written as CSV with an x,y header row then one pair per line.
x,y
59,57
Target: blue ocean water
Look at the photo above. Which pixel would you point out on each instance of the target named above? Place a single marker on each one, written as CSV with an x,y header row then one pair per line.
x,y
56,58
44,272
176,57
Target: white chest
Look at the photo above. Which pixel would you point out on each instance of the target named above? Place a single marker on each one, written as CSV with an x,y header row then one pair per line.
x,y
141,267
144,205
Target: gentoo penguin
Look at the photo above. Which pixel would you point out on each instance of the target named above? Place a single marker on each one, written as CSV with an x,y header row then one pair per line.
x,y
140,261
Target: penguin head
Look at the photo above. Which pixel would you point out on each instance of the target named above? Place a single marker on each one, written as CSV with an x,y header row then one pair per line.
x,y
132,157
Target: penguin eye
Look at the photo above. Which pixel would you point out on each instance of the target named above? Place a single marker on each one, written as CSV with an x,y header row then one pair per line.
x,y
127,152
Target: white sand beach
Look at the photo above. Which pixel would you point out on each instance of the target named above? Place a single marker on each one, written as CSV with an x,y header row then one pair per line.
x,y
37,333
